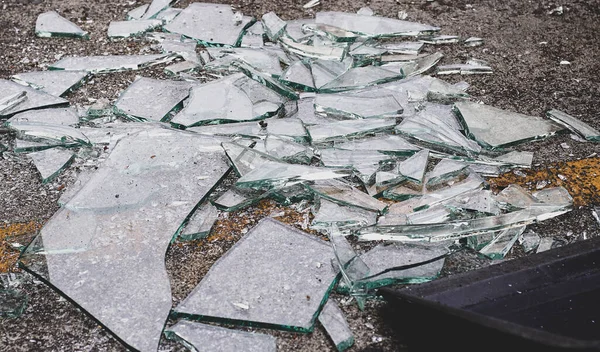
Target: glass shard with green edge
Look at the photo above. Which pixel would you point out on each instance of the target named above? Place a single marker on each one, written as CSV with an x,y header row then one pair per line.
x,y
365,162
51,162
400,193
57,83
181,67
56,116
373,26
348,106
554,195
529,241
433,215
407,48
109,63
324,52
345,217
579,127
289,195
464,69
299,76
516,196
333,33
204,337
286,149
185,49
495,128
306,111
168,15
156,7
105,249
234,200
446,171
261,59
502,243
333,320
473,41
266,80
82,178
360,77
424,64
12,303
444,92
325,71
386,144
273,25
349,128
126,29
49,133
414,167
385,180
480,241
346,260
344,194
482,201
516,159
13,100
441,39
51,24
275,277
287,127
210,24
294,29
430,198
200,223
137,13
23,146
165,96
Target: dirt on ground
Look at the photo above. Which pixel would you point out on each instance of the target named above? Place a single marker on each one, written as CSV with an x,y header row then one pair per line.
x,y
525,43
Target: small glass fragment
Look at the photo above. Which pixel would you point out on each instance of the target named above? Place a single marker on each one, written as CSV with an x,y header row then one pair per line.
x,y
17,98
51,162
333,320
473,41
181,67
266,79
345,217
472,67
324,52
234,200
401,193
386,144
414,167
274,26
12,303
360,77
545,244
575,125
446,171
332,33
311,4
554,195
200,223
57,83
51,24
348,106
137,13
478,200
445,92
56,116
349,128
344,194
407,48
424,64
373,26
530,241
441,39
286,149
126,29
156,7
261,59
298,75
204,337
109,63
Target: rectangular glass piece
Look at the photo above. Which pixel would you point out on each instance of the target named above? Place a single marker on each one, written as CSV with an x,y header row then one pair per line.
x,y
156,7
49,133
407,48
386,144
210,24
105,248
495,128
204,337
274,26
503,243
325,52
344,194
575,125
345,217
360,77
516,159
109,63
126,29
56,116
51,24
275,276
355,107
57,83
373,26
165,96
15,101
414,167
51,162
349,128
333,320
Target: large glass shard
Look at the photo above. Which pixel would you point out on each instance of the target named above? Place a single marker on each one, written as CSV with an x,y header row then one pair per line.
x,y
200,223
12,303
51,24
204,337
109,63
415,166
373,26
49,133
262,59
495,128
346,259
554,195
333,320
298,75
343,216
56,116
51,162
168,15
210,24
137,13
344,194
386,144
57,83
287,127
306,111
286,149
365,162
360,77
446,171
105,248
445,92
356,107
165,96
575,125
156,7
502,243
16,101
274,26
125,29
266,79
275,276
325,52
349,128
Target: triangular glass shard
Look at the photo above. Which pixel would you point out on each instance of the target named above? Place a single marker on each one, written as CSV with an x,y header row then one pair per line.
x,y
244,159
516,196
210,24
56,116
106,247
266,79
360,77
345,217
349,128
357,107
554,195
306,112
575,125
365,11
15,101
332,33
109,63
299,76
137,13
325,71
373,26
286,149
344,194
49,133
424,64
165,96
415,166
446,171
386,144
51,162
365,162
444,92
502,243
200,223
478,200
325,52
55,83
346,260
495,128
261,59
261,281
204,337
333,320
51,24
126,29
295,32
155,7
407,48
274,26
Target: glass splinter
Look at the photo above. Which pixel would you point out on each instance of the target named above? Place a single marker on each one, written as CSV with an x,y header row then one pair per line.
x,y
204,337
200,223
333,320
441,39
275,276
575,125
11,100
109,63
125,29
502,243
51,24
51,162
55,83
17,98
373,26
274,26
350,128
346,260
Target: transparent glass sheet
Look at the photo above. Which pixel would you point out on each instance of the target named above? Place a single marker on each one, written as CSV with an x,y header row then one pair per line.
x,y
51,24
259,58
401,193
306,111
234,200
156,7
414,167
325,71
575,125
423,64
479,200
137,13
554,195
496,128
55,83
286,149
502,243
181,67
517,158
274,26
266,79
168,15
356,107
546,244
200,223
57,116
12,303
344,194
109,63
360,77
82,178
275,276
346,260
204,337
333,320
349,128
441,39
373,26
15,101
294,29
186,49
49,133
386,144
287,127
210,24
125,29
299,76
516,196
51,162
445,92
446,171
165,96
23,146
105,248
529,241
365,162
344,216
325,52
407,48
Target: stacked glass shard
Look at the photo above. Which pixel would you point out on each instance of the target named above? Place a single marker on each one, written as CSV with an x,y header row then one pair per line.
x,y
575,125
